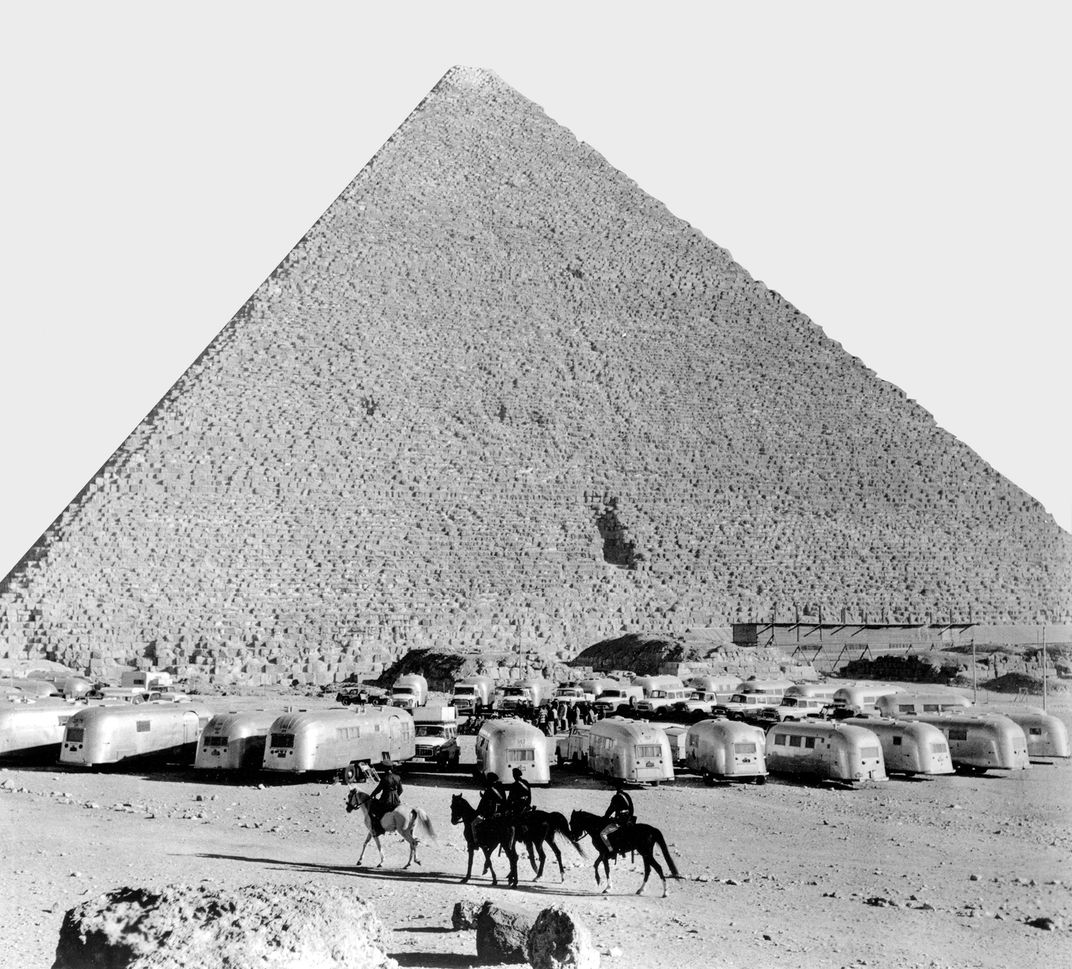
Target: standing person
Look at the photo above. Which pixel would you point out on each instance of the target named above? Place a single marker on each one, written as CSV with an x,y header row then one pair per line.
x,y
619,813
573,716
519,797
541,720
386,796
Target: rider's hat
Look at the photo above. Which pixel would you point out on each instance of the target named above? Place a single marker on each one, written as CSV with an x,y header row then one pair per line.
x,y
517,772
490,778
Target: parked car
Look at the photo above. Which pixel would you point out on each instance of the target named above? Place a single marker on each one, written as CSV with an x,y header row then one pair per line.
x,y
699,701
352,694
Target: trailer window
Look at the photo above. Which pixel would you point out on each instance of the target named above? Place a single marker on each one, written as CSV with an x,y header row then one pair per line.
x,y
809,742
283,740
144,726
794,740
1035,731
897,741
60,721
347,733
75,734
648,750
939,748
738,748
931,708
779,739
958,733
905,708
214,741
521,753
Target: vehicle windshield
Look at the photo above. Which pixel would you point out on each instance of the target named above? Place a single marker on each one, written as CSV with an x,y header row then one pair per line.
x,y
403,691
738,698
513,691
790,701
431,730
611,694
464,690
656,694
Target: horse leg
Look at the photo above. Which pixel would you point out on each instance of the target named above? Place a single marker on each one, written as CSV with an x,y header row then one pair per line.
x,y
558,857
648,861
469,870
512,877
379,848
488,866
543,859
363,847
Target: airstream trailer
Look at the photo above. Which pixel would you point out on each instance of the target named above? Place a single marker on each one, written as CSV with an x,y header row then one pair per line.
x,y
908,704
502,745
981,742
593,687
818,691
649,684
409,692
1046,735
632,750
675,733
123,734
752,685
35,688
826,751
722,686
345,740
74,687
908,746
862,699
727,750
234,741
34,731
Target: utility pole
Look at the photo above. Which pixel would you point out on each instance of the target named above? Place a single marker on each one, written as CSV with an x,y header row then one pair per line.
x,y
975,675
1044,669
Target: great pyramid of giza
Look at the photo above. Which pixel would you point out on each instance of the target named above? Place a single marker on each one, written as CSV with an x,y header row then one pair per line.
x,y
498,397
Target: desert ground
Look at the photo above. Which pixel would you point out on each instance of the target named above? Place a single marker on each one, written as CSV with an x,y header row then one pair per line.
x,y
944,872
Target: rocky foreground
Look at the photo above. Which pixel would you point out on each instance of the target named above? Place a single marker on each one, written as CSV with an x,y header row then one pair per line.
x,y
952,872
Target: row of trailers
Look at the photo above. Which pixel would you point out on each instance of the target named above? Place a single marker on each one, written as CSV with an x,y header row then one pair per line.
x,y
337,741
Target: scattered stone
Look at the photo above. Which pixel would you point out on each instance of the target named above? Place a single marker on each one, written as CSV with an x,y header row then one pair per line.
x,y
560,940
1043,922
973,877
502,935
879,901
464,915
262,926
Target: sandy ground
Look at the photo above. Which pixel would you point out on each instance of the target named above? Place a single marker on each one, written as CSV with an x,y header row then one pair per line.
x,y
910,873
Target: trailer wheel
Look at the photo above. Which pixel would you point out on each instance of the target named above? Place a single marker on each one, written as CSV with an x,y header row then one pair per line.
x,y
708,778
352,773
762,779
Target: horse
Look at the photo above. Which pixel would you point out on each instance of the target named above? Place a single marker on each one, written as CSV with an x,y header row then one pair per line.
x,y
640,838
490,833
537,828
395,820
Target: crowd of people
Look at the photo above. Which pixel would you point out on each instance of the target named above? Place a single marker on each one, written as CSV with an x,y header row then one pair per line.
x,y
551,720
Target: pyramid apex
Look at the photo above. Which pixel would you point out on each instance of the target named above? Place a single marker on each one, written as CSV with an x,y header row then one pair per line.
x,y
464,76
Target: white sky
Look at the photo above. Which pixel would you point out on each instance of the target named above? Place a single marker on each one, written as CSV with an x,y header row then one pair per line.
x,y
899,173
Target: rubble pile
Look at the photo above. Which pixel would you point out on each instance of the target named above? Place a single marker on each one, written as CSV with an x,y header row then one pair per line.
x,y
498,398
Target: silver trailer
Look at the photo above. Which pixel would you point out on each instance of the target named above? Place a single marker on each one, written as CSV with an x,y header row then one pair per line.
x,y
863,699
908,746
981,742
502,745
819,691
753,685
339,741
1047,736
235,741
825,751
34,731
726,750
123,734
633,750
909,703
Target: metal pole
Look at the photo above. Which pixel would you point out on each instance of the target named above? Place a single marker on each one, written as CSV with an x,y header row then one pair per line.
x,y
975,675
1044,669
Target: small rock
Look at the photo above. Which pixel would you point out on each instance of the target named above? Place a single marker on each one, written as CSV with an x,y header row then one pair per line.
x,y
1042,922
973,877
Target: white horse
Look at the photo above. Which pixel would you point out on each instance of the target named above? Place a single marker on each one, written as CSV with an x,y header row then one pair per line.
x,y
392,821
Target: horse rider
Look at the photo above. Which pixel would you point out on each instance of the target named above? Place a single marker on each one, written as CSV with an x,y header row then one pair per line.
x,y
519,797
386,797
619,813
492,801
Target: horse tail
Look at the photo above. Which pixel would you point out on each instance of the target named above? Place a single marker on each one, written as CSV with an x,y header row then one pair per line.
x,y
417,815
661,841
559,825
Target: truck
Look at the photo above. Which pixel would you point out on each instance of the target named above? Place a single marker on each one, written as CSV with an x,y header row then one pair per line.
x,y
524,693
618,696
409,692
472,694
436,736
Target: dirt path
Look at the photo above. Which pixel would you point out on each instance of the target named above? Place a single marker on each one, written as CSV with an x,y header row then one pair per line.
x,y
779,875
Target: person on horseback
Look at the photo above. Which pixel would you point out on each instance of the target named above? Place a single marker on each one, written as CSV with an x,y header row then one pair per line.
x,y
519,797
386,796
619,813
492,801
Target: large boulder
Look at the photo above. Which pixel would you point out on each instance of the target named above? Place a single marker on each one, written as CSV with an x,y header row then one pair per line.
x,y
560,940
262,926
502,935
464,915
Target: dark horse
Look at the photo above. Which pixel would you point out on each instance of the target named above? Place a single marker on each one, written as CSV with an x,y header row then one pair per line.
x,y
490,833
537,828
640,838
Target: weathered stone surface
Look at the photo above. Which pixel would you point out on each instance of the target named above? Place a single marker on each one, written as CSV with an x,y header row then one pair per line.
x,y
464,915
560,940
498,398
502,935
262,926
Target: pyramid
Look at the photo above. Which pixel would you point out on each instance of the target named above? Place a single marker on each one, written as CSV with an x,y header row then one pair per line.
x,y
498,397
